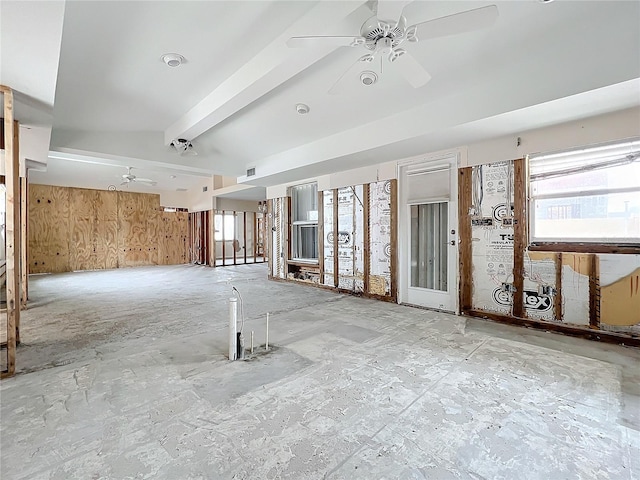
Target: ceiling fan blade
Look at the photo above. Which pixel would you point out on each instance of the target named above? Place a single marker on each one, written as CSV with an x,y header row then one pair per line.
x,y
324,41
410,69
143,180
391,10
350,77
453,24
125,183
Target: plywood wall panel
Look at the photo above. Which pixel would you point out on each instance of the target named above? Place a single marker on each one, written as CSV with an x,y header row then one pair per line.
x,y
172,241
82,229
48,229
138,229
106,229
82,221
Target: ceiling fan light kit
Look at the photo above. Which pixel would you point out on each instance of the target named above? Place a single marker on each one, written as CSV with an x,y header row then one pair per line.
x,y
383,39
183,146
368,78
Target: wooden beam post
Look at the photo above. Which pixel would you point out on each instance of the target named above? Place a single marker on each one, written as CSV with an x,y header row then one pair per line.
x,y
244,238
594,292
24,263
235,224
321,235
336,265
224,242
557,300
394,239
367,236
12,228
464,229
255,237
519,234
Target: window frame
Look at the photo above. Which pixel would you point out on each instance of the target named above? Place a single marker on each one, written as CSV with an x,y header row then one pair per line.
x,y
300,224
578,245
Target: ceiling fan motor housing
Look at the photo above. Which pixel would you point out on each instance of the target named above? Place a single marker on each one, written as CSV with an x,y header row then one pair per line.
x,y
373,30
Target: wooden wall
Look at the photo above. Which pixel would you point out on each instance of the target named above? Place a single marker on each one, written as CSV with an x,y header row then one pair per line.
x,y
81,229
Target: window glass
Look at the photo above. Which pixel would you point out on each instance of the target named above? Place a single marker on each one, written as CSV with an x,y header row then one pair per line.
x,y
590,195
304,216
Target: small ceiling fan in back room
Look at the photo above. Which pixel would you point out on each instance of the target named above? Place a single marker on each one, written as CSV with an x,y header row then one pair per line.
x,y
381,37
128,178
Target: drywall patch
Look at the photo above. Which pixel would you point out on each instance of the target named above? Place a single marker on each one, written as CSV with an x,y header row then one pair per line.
x,y
620,291
575,288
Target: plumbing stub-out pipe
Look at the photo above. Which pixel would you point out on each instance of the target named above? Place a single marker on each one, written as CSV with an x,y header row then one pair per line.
x,y
233,325
266,341
240,348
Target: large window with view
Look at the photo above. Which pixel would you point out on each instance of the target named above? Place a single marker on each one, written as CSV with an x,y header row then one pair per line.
x,y
586,196
304,222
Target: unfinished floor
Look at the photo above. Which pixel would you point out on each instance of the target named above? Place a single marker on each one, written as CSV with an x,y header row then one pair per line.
x,y
123,375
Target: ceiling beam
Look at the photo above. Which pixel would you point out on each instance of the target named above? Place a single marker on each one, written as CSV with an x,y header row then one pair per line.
x,y
272,67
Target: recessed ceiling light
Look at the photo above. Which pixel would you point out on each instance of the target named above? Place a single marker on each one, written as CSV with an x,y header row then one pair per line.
x,y
173,59
302,109
545,1
173,176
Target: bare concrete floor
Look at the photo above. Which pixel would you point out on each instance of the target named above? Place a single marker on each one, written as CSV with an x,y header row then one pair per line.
x,y
123,375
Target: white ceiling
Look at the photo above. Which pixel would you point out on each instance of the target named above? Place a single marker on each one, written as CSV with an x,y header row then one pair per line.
x,y
118,105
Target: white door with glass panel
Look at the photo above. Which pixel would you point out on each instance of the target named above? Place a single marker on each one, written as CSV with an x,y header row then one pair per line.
x,y
430,223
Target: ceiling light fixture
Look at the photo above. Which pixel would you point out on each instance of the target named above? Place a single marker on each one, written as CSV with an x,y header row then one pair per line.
x,y
302,109
173,59
183,146
368,78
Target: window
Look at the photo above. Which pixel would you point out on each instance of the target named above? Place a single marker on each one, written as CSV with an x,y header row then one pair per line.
x,y
590,195
228,230
304,225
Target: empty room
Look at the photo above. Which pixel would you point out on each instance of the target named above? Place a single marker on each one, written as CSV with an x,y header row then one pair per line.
x,y
320,239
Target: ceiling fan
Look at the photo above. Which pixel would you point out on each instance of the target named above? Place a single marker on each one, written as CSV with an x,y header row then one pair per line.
x,y
383,39
129,177
183,146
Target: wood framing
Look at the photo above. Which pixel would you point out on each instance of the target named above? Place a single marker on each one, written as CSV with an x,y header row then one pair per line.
x,y
233,242
572,247
587,333
269,236
24,263
519,234
394,239
464,229
12,228
336,264
288,236
367,236
244,235
321,235
557,299
594,291
224,242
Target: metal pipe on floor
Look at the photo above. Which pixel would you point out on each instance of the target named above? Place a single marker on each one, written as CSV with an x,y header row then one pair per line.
x,y
266,343
252,341
233,325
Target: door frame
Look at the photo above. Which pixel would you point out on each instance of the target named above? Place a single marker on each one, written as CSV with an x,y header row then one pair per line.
x,y
404,261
